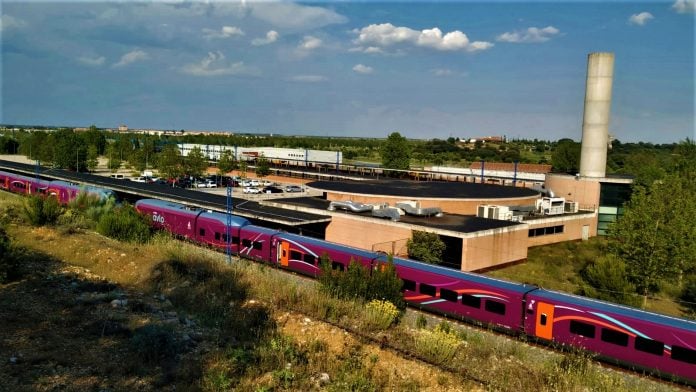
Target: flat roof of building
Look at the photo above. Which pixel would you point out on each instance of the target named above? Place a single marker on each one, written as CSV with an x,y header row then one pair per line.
x,y
452,222
424,189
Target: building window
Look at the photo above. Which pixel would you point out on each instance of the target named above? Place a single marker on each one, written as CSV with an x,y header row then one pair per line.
x,y
408,285
539,231
428,289
649,346
614,337
470,300
582,329
495,307
448,295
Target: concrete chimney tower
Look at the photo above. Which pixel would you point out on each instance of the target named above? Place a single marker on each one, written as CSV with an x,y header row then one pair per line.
x,y
595,123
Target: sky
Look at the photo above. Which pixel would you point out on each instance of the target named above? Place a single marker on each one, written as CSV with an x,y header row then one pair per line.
x,y
355,69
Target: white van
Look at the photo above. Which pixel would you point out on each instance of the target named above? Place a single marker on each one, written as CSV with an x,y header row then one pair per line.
x,y
117,176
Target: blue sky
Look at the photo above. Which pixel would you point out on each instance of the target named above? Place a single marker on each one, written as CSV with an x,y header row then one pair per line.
x,y
424,69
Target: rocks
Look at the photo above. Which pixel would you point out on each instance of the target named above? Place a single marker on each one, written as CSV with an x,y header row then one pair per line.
x,y
324,379
118,303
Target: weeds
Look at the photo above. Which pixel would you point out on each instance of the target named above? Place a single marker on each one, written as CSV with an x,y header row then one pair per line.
x,y
41,211
124,224
438,345
379,315
153,342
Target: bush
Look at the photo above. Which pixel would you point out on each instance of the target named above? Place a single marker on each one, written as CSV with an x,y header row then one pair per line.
x,y
124,224
607,279
439,345
688,294
88,209
425,247
9,267
153,342
380,314
381,283
40,211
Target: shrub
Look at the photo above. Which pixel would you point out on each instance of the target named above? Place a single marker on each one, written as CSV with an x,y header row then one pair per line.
x,y
380,314
688,294
153,342
439,345
9,266
88,209
381,283
426,247
124,224
606,279
40,211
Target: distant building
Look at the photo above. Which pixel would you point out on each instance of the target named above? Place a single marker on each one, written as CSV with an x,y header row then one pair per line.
x,y
123,128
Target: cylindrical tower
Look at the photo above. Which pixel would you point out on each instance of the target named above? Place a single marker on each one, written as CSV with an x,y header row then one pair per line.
x,y
595,123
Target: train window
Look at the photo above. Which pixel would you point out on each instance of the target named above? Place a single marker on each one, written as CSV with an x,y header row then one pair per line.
x,y
295,255
257,245
408,285
470,300
235,240
217,236
684,355
337,266
614,337
246,243
542,319
428,289
649,346
582,329
448,295
224,237
201,232
309,259
495,307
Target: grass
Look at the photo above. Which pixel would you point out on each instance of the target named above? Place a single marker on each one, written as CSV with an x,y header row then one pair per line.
x,y
255,342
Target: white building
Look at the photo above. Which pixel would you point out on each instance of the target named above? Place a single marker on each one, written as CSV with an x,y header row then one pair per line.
x,y
291,156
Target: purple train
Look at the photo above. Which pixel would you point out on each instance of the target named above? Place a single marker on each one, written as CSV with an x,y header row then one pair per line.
x,y
659,344
63,191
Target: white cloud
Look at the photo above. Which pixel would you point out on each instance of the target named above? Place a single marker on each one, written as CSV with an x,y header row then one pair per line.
x,y
214,64
224,32
442,72
308,78
640,19
363,69
92,61
271,37
684,6
531,35
293,16
376,36
8,22
131,57
309,43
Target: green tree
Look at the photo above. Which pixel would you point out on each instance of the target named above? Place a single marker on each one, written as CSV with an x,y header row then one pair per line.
x,y
68,150
396,152
566,157
426,247
656,236
114,162
92,157
607,279
196,162
227,163
169,162
263,167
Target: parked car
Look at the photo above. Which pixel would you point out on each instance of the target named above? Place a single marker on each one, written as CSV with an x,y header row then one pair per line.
x,y
139,179
266,183
255,183
293,188
245,183
271,189
251,189
207,184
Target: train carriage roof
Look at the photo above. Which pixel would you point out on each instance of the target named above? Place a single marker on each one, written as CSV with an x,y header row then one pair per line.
x,y
259,229
167,205
607,307
329,245
465,276
236,221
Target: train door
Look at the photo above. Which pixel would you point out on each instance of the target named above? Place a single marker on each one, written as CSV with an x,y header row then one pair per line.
x,y
283,254
544,321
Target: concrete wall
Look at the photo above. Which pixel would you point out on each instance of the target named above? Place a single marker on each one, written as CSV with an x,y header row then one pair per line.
x,y
364,232
583,190
572,228
491,248
452,206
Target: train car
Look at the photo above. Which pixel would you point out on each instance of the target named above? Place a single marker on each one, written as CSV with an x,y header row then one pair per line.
x,y
471,297
211,230
255,243
176,218
18,183
302,254
628,336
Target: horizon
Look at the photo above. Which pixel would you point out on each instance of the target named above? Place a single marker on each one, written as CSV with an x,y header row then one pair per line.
x,y
349,69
